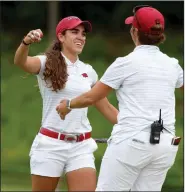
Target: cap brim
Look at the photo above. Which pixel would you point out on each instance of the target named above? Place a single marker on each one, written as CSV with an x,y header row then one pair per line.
x,y
87,25
129,20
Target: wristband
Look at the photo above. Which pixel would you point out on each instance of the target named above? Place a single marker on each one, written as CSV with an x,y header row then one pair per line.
x,y
68,102
25,43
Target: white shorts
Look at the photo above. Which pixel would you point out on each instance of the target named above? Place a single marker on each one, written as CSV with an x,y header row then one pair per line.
x,y
52,157
134,164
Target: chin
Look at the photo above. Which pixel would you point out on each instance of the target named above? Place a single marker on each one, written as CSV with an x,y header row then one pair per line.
x,y
78,51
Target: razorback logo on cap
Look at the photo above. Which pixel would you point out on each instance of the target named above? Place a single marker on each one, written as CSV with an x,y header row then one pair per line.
x,y
84,75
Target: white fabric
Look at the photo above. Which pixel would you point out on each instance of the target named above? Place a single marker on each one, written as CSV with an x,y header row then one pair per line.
x,y
136,164
76,121
145,81
53,158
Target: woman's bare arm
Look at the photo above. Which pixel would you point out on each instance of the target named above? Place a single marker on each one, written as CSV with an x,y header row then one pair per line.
x,y
21,59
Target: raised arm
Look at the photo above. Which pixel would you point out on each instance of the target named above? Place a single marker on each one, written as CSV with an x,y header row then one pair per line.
x,y
21,59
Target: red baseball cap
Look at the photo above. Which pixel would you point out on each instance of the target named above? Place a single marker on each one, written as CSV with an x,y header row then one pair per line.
x,y
144,18
72,22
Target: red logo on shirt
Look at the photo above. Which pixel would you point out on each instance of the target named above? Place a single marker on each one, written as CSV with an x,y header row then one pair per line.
x,y
84,75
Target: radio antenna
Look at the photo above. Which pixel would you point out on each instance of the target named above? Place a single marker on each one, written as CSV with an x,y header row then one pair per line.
x,y
160,115
160,120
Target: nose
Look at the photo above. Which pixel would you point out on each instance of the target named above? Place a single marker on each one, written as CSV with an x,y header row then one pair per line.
x,y
81,36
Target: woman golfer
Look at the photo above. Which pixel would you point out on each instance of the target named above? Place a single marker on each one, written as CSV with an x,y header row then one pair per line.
x,y
63,146
139,153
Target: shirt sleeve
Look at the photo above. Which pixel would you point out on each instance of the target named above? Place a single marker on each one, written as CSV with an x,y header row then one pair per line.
x,y
180,72
43,62
114,75
94,76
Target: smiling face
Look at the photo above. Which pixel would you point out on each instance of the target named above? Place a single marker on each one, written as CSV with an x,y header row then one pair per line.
x,y
73,40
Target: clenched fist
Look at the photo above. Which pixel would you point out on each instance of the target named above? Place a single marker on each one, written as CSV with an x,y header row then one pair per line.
x,y
33,36
62,109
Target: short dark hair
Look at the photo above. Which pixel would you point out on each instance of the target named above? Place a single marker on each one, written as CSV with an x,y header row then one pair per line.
x,y
156,36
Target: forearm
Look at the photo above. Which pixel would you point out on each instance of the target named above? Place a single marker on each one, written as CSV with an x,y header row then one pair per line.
x,y
21,55
107,110
111,113
82,101
98,92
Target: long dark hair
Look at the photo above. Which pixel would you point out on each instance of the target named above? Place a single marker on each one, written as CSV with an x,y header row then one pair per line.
x,y
55,73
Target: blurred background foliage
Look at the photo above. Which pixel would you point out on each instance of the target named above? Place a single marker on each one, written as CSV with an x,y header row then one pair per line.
x,y
21,102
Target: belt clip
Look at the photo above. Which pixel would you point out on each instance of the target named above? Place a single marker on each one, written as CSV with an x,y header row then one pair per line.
x,y
70,138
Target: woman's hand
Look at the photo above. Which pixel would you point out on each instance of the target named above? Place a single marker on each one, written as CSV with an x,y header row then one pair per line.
x,y
62,109
33,36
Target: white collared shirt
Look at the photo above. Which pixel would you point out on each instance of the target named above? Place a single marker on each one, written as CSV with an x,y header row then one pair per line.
x,y
145,81
80,80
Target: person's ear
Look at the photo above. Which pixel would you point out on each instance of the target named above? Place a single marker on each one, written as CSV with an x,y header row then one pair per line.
x,y
135,31
60,37
131,30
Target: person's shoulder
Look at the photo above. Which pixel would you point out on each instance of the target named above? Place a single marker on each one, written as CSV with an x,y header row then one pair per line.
x,y
172,60
124,59
86,66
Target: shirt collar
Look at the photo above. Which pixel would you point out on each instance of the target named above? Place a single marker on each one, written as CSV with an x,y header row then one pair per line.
x,y
147,47
69,63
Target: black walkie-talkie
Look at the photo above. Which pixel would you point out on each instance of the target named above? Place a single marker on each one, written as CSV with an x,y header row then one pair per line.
x,y
156,128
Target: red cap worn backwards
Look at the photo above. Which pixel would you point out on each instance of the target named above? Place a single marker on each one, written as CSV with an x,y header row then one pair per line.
x,y
72,22
145,18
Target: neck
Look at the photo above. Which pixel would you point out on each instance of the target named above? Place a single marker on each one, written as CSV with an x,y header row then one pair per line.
x,y
137,43
72,57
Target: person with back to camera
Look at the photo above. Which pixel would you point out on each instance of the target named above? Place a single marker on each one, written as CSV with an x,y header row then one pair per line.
x,y
63,146
143,146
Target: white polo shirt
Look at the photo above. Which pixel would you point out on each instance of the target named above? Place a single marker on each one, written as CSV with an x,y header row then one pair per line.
x,y
145,81
80,80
